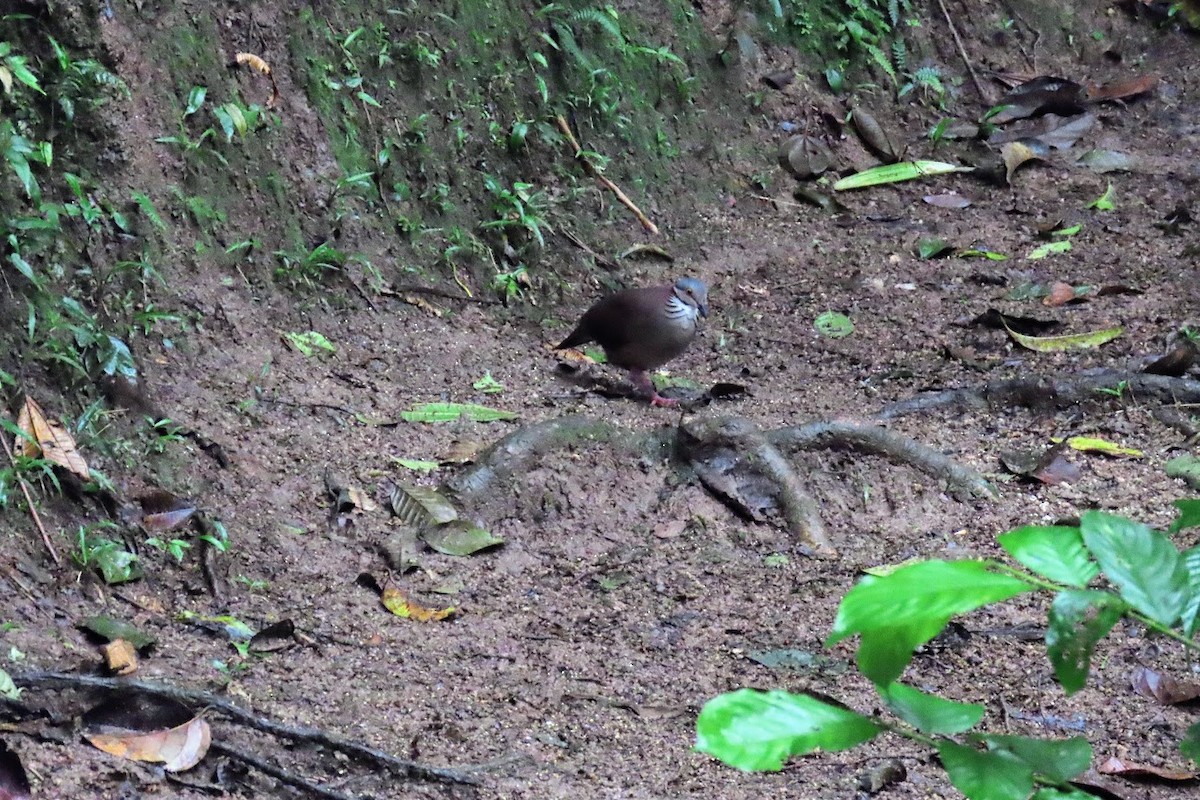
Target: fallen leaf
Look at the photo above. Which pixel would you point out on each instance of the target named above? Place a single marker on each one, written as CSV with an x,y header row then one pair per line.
x,y
423,304
1060,294
804,156
949,200
1175,363
111,629
144,728
1042,95
1014,154
873,134
421,505
1119,90
50,439
459,538
449,412
895,173
1132,769
1073,341
163,511
1087,444
1166,690
395,601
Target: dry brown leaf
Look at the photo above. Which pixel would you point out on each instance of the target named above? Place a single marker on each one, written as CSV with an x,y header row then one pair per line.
x,y
179,748
462,451
52,440
1119,90
423,304
120,657
1165,689
1132,769
1060,293
257,63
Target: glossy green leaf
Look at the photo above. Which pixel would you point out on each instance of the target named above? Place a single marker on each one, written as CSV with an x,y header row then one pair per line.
x,y
1049,248
1142,563
930,713
195,100
833,324
1077,621
895,173
1053,551
986,775
1191,609
449,412
754,730
895,613
1055,760
1104,202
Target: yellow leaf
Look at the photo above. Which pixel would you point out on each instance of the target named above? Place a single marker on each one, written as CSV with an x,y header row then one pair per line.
x,y
1086,444
1074,341
395,602
254,62
179,748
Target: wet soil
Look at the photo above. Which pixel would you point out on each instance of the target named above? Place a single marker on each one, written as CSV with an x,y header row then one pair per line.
x,y
625,595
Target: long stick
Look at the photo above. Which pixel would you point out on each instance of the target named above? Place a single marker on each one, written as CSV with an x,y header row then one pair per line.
x,y
605,182
29,500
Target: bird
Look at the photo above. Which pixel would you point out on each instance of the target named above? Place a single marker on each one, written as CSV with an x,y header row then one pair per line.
x,y
642,329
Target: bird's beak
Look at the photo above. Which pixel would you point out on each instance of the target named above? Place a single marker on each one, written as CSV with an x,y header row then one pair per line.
x,y
703,308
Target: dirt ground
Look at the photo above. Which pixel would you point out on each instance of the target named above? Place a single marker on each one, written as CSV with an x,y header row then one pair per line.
x,y
625,595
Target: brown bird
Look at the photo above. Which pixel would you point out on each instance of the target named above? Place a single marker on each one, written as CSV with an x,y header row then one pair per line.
x,y
642,329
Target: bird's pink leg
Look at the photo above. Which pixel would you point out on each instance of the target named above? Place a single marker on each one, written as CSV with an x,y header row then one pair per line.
x,y
642,381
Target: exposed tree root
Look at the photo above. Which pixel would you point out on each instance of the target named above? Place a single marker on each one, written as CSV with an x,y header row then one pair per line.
x,y
222,706
1050,392
737,461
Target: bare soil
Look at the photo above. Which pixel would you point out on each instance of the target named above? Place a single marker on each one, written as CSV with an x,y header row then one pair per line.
x,y
625,595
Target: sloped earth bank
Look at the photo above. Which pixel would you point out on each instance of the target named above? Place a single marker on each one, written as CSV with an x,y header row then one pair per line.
x,y
625,595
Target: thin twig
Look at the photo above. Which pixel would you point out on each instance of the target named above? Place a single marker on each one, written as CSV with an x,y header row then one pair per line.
x,y
413,288
962,52
590,168
602,260
278,773
193,697
37,520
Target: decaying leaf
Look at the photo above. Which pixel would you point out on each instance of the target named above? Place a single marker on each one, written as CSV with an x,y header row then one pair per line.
x,y
163,511
1042,95
421,505
276,636
1060,294
1030,326
144,728
873,135
948,200
1132,769
50,439
805,156
645,250
257,63
1119,90
395,601
459,538
1166,690
1073,341
1175,363
1103,161
1014,154
423,304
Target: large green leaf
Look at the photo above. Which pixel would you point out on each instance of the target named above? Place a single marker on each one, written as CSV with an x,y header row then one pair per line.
x,y
449,412
930,713
1189,515
1143,564
1056,760
1054,551
1078,619
895,613
1191,609
986,775
754,730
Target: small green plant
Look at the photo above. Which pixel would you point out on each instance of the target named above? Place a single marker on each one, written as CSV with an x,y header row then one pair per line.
x,y
893,614
519,208
175,548
193,149
925,84
307,267
94,551
1116,391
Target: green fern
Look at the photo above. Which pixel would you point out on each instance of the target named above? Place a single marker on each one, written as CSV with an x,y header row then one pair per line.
x,y
605,19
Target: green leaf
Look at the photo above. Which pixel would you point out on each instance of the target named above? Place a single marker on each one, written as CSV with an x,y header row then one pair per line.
x,y
990,255
1143,564
421,505
1191,610
1077,621
147,207
754,730
895,613
930,713
308,342
833,325
1186,468
1189,515
1055,760
1073,341
195,100
1190,746
1053,551
1090,444
449,412
990,775
8,689
894,173
459,538
417,465
116,564
1048,249
1104,202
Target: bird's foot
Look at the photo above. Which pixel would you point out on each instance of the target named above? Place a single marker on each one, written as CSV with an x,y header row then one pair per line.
x,y
663,402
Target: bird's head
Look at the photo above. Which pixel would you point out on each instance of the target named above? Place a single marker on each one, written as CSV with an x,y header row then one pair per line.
x,y
693,292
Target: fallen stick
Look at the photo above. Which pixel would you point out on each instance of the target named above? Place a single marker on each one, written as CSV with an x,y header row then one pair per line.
x,y
590,168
